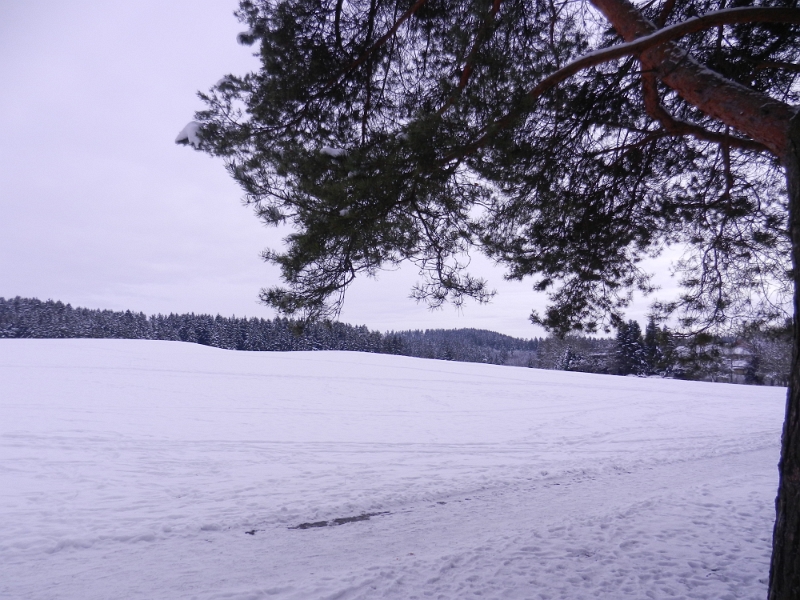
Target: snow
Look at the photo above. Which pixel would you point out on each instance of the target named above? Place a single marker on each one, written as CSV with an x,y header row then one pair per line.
x,y
190,135
143,469
332,152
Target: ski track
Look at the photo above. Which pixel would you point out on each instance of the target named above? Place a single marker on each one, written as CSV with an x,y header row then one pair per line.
x,y
132,469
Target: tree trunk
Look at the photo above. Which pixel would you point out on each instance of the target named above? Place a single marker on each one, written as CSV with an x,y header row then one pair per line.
x,y
784,573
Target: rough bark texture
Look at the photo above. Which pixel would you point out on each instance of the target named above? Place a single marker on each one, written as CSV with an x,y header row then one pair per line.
x,y
784,573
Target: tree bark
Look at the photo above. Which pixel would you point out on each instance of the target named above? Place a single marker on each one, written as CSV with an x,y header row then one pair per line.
x,y
784,572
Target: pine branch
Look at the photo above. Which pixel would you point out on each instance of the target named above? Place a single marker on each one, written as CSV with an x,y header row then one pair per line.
x,y
751,112
675,126
635,47
466,72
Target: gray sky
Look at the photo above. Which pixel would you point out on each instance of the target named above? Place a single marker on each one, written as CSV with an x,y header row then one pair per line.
x,y
101,209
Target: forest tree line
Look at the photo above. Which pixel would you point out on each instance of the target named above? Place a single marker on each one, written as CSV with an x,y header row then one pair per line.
x,y
752,355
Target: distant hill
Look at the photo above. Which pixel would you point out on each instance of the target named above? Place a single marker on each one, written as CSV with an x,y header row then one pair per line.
x,y
470,345
33,318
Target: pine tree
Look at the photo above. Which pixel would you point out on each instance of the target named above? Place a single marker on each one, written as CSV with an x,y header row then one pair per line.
x,y
567,143
631,353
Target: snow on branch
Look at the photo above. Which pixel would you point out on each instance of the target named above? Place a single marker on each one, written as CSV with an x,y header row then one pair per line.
x,y
190,135
332,152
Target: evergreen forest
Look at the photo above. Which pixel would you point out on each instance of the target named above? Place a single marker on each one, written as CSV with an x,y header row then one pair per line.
x,y
751,356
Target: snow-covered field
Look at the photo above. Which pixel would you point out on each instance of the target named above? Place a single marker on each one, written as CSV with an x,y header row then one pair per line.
x,y
150,470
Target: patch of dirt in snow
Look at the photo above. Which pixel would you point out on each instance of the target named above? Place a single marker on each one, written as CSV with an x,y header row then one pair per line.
x,y
338,521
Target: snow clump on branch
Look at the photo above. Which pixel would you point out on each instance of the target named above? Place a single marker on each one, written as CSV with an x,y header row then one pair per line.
x,y
189,135
332,152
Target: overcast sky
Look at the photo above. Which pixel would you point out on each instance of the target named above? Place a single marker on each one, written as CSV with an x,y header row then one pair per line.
x,y
101,209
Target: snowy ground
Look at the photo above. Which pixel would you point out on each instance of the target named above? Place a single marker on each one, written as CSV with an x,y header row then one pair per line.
x,y
150,470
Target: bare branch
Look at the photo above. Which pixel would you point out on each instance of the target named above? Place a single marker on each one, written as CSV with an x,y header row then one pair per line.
x,y
787,66
468,66
337,23
675,126
378,43
466,72
661,20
